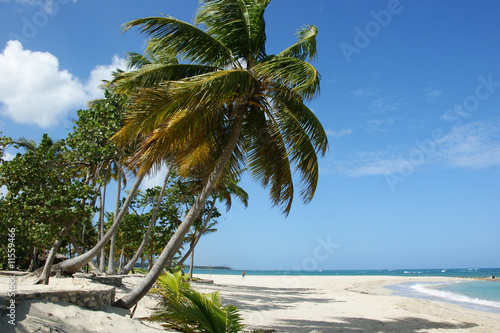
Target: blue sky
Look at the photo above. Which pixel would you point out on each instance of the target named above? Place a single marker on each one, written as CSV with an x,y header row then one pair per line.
x,y
409,98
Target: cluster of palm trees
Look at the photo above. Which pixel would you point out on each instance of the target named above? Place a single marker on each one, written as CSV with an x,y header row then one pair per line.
x,y
208,98
209,101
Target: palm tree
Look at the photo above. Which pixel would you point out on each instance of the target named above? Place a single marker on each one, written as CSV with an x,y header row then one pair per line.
x,y
227,102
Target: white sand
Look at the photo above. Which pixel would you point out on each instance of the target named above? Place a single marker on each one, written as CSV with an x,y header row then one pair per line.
x,y
343,304
43,316
286,304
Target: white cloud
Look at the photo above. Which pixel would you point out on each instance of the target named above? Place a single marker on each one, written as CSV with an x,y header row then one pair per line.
x,y
34,90
100,73
338,134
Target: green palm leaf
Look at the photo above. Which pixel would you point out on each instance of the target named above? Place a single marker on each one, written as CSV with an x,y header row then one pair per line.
x,y
182,41
305,46
239,24
184,309
294,73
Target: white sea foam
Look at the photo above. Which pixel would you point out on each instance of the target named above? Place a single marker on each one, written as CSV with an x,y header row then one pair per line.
x,y
427,289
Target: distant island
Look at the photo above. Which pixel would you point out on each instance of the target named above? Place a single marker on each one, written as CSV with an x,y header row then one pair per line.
x,y
212,267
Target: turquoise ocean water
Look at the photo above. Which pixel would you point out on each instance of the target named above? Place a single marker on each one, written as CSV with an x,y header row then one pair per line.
x,y
475,294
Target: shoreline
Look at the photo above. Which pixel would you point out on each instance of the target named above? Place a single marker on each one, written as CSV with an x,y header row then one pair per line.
x,y
281,303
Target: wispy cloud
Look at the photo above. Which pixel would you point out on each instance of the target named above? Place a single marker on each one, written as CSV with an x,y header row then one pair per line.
x,y
365,92
340,133
472,146
378,100
432,94
379,125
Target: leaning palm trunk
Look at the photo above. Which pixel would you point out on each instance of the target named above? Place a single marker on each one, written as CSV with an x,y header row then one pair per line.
x,y
111,262
77,250
102,257
45,276
175,242
73,265
197,237
125,270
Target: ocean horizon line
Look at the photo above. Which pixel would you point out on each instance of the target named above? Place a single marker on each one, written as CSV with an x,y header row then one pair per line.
x,y
463,272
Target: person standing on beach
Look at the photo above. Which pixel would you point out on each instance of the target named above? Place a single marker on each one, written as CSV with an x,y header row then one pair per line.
x,y
243,274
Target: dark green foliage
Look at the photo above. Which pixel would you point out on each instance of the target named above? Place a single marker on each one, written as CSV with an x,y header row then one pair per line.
x,y
184,309
44,192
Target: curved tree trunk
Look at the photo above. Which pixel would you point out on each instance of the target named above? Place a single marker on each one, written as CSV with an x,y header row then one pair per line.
x,y
72,265
33,253
77,250
111,262
125,270
45,276
175,242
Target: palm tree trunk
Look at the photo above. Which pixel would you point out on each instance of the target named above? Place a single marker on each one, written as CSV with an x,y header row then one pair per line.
x,y
45,276
72,265
102,258
125,270
191,265
202,230
34,259
111,262
175,242
188,253
120,261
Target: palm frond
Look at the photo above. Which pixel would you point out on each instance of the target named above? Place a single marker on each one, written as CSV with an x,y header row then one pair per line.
x,y
306,45
184,309
268,159
238,24
151,75
294,73
136,60
182,40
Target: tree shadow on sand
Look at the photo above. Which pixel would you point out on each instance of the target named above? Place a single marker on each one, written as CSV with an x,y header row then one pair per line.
x,y
258,299
407,325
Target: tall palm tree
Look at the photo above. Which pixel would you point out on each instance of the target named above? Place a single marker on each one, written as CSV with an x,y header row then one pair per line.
x,y
227,102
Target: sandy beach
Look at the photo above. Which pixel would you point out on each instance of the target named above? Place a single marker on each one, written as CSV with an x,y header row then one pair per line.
x,y
284,304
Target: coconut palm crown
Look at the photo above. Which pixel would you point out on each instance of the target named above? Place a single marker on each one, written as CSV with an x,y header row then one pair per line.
x,y
224,85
